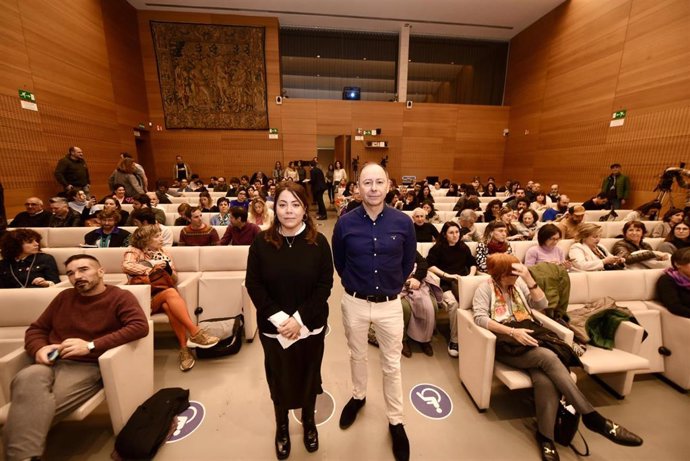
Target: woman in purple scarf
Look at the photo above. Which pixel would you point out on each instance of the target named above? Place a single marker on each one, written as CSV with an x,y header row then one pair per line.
x,y
673,287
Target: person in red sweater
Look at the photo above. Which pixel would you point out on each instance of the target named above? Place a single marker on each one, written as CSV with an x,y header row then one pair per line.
x,y
198,233
79,325
239,232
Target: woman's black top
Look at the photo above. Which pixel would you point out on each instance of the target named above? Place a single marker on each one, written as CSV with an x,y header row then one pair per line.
x,y
427,232
18,274
456,259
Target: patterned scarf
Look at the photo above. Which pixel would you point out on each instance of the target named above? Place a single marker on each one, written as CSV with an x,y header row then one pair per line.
x,y
680,279
495,246
499,307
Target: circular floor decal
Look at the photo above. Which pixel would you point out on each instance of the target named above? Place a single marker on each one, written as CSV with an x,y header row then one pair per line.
x,y
188,421
325,407
431,401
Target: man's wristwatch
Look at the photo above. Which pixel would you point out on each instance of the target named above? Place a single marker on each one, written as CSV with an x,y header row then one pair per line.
x,y
90,346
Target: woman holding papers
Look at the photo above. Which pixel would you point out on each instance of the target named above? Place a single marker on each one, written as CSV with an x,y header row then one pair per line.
x,y
289,278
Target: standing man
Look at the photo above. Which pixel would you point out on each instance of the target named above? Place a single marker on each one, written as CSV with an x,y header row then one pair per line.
x,y
374,250
81,323
71,171
182,170
318,187
616,186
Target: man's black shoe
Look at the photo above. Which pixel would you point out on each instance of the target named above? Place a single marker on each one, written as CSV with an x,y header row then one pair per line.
x,y
547,448
401,445
349,414
282,441
311,436
620,435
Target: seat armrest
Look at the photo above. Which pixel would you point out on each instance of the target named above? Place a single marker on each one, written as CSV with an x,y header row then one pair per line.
x,y
127,373
477,349
10,365
566,334
249,312
188,288
628,337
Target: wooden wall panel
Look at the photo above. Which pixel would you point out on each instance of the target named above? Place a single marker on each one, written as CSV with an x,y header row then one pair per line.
x,y
589,59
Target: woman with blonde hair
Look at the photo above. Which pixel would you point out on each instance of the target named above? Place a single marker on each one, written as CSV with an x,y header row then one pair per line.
x,y
503,305
587,255
259,213
495,241
147,261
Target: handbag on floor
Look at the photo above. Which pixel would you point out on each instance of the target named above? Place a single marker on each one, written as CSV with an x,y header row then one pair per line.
x,y
567,423
229,330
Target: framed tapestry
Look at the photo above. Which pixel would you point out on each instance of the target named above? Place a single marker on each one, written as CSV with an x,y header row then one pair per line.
x,y
211,76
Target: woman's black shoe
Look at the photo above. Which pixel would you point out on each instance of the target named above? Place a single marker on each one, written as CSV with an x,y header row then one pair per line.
x,y
620,435
547,448
282,441
311,436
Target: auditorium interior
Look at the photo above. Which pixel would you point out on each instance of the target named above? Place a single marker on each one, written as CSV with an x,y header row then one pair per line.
x,y
552,91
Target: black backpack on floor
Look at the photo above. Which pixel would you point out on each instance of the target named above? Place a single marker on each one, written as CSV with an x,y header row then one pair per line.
x,y
229,330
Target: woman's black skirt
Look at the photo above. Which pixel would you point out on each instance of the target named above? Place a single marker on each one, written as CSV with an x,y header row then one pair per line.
x,y
294,374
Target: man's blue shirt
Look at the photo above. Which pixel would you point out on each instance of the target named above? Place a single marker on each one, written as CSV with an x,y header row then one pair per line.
x,y
374,257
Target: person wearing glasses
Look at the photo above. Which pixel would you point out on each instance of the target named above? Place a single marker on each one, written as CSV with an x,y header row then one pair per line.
x,y
34,216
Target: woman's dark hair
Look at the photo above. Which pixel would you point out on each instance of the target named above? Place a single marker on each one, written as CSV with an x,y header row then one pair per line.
x,y
529,211
116,186
338,164
547,231
272,234
542,193
117,202
433,208
491,227
491,186
442,239
221,200
645,207
452,190
492,203
143,199
11,243
635,224
680,257
672,235
669,214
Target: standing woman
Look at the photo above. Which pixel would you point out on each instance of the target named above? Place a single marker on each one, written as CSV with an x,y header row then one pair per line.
x,y
339,174
126,175
330,173
278,172
289,279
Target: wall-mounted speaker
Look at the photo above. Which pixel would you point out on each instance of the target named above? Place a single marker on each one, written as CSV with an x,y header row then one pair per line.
x,y
408,104
279,100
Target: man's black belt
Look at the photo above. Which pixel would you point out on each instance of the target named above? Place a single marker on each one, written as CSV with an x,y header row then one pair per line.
x,y
371,298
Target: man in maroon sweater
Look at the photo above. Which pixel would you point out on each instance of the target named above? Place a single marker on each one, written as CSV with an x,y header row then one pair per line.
x,y
197,233
239,232
78,326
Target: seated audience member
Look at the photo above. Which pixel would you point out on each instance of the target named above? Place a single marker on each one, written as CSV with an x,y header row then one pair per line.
x,y
522,205
76,200
561,209
489,190
239,232
410,202
540,203
493,210
63,215
437,185
393,199
527,224
23,265
431,215
242,199
271,193
598,202
548,251
505,188
107,204
198,233
495,241
673,286
259,213
672,217
145,217
677,239
182,218
507,217
417,298
120,195
468,201
221,185
81,323
587,255
147,255
164,193
350,189
206,203
34,216
468,231
424,231
511,202
445,183
108,235
451,258
184,186
143,201
259,176
155,203
571,221
425,195
554,194
646,212
213,182
355,201
508,297
452,190
223,216
234,187
636,252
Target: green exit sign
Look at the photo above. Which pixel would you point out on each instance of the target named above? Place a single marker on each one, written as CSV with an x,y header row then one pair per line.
x,y
26,95
620,114
273,131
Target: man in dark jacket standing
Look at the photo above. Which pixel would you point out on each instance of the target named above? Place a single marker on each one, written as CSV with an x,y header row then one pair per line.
x,y
71,171
318,187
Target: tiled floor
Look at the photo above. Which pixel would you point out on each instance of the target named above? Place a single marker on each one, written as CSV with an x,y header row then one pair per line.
x,y
239,416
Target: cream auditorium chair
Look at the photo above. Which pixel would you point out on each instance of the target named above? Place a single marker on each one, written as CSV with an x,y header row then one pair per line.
x,y
118,365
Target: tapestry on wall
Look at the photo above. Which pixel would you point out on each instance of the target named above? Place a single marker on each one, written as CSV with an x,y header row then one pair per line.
x,y
211,76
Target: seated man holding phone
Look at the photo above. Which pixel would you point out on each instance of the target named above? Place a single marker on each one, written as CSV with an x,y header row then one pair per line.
x,y
79,325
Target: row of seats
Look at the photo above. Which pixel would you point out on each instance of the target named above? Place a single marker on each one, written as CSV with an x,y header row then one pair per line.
x,y
209,277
